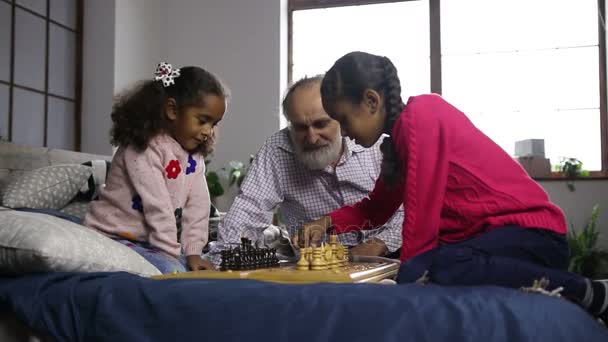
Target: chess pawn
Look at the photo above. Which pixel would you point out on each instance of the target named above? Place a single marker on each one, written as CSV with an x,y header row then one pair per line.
x,y
344,260
335,261
309,254
328,256
318,263
303,264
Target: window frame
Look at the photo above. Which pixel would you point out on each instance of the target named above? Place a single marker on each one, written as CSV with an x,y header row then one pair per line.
x,y
77,99
435,59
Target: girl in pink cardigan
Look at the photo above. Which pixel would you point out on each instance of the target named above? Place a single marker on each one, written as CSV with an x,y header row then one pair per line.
x,y
156,199
473,216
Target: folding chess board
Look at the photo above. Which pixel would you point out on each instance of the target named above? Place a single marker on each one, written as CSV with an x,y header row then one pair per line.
x,y
356,270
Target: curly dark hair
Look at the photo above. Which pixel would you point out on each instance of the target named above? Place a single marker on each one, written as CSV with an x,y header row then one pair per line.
x,y
348,79
139,113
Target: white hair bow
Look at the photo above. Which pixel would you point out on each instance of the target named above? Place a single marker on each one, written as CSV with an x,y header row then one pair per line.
x,y
165,72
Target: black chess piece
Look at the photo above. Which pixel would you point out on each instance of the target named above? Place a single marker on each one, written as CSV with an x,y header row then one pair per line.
x,y
223,257
259,258
229,260
273,257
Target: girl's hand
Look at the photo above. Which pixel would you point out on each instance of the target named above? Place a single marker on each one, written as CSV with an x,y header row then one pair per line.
x,y
312,232
196,263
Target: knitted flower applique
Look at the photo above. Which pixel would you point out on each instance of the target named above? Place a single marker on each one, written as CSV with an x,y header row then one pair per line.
x,y
173,169
191,165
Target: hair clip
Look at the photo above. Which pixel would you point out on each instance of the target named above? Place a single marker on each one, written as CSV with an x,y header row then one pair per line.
x,y
165,72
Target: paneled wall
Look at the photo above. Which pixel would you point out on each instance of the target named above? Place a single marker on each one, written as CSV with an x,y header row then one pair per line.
x,y
40,72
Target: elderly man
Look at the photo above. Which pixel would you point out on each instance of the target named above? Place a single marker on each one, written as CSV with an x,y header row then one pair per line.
x,y
306,171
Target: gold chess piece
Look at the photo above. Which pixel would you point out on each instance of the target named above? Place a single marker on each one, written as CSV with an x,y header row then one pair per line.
x,y
335,261
344,260
327,256
339,256
318,263
303,264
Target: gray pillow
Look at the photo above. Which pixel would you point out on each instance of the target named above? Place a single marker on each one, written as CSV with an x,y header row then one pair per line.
x,y
50,187
77,208
33,242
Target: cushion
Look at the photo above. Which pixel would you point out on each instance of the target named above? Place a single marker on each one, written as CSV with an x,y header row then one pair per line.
x,y
77,208
34,242
50,187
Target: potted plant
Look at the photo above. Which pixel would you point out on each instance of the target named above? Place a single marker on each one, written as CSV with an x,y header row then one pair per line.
x,y
571,168
585,257
235,175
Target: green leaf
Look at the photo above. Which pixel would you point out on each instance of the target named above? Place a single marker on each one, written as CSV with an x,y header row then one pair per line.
x,y
213,183
585,256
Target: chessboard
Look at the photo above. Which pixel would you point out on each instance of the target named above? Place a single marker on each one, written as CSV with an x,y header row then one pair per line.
x,y
358,269
324,263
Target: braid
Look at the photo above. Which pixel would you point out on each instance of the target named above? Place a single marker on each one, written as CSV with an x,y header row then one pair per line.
x,y
348,79
391,164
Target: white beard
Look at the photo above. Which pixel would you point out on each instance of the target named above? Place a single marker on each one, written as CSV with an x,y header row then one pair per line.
x,y
320,158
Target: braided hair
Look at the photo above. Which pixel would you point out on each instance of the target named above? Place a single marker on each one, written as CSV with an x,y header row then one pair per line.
x,y
349,78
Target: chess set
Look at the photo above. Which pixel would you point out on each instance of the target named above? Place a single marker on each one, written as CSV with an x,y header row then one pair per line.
x,y
325,263
247,257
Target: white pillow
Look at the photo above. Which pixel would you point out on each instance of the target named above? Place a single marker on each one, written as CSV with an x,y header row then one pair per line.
x,y
50,187
32,242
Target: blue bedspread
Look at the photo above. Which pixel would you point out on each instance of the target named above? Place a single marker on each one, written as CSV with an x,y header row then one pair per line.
x,y
123,307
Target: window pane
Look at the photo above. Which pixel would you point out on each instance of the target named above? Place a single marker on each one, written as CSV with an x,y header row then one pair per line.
x,y
4,111
30,42
549,79
470,26
28,118
60,130
38,6
5,41
64,12
399,31
536,79
62,59
567,133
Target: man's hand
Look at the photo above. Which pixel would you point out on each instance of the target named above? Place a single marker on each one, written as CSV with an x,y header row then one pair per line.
x,y
371,247
312,232
196,263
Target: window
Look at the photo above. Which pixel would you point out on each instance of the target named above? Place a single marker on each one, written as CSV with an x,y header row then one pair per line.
x,y
40,72
520,69
388,30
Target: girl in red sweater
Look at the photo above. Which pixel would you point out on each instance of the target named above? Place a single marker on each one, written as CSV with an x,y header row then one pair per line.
x,y
473,216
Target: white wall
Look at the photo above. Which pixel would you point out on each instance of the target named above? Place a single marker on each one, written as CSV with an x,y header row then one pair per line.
x,y
98,75
123,42
141,40
245,44
240,42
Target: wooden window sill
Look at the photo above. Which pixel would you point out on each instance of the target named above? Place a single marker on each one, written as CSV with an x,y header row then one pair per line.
x,y
558,176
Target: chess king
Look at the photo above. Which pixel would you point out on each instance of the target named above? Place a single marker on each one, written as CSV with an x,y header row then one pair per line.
x,y
305,171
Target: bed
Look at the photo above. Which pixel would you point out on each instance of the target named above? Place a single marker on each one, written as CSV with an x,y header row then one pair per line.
x,y
122,306
125,307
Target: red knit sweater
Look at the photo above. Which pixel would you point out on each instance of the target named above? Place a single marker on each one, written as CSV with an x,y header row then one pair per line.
x,y
457,184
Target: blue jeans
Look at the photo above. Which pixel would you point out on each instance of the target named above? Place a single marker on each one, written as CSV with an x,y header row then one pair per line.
x,y
509,256
165,263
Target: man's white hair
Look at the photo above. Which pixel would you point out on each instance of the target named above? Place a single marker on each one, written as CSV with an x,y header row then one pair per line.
x,y
319,158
